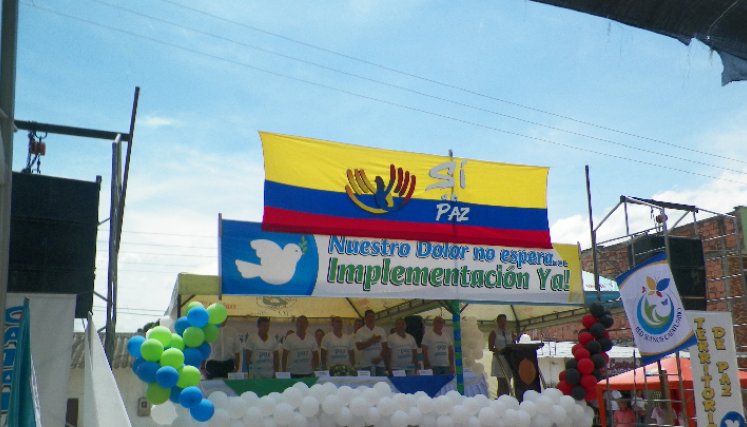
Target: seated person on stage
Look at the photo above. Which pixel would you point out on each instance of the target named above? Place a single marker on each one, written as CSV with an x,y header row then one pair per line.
x,y
403,351
224,354
371,341
438,350
300,352
498,339
261,351
337,347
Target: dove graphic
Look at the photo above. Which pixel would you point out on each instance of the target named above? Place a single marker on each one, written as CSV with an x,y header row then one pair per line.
x,y
276,266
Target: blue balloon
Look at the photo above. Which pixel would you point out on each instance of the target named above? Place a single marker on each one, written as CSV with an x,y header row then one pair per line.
x,y
147,371
175,392
198,317
136,364
205,350
203,411
193,357
133,345
167,376
190,397
181,324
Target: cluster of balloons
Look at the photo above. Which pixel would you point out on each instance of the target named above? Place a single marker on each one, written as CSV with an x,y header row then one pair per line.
x,y
590,358
169,362
326,405
473,343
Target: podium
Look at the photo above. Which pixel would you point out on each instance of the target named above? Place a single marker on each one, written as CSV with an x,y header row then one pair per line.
x,y
522,360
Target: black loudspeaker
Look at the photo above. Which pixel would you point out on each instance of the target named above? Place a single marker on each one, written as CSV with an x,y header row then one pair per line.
x,y
686,261
415,327
53,226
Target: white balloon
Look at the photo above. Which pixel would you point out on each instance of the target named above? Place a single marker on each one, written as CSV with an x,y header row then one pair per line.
x,y
442,405
473,422
544,404
298,420
220,419
318,391
522,419
345,393
429,420
163,414
568,403
329,388
460,414
252,416
357,422
487,417
219,399
270,422
309,406
531,395
372,416
267,405
512,417
275,396
498,407
399,418
236,407
326,420
425,404
313,422
250,398
454,396
166,321
472,405
509,401
541,420
552,393
293,396
529,407
371,395
444,421
283,414
302,386
183,420
414,416
401,400
383,389
344,417
236,423
557,412
331,404
359,406
386,406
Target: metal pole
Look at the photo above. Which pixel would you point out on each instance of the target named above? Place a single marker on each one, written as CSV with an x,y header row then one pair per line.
x,y
456,318
595,255
8,45
114,235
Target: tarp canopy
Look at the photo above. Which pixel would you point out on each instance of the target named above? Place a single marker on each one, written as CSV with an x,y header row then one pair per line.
x,y
720,24
206,289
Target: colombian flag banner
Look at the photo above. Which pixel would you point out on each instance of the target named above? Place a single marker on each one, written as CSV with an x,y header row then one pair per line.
x,y
322,187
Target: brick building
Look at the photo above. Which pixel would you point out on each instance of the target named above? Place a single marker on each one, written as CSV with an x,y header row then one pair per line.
x,y
723,243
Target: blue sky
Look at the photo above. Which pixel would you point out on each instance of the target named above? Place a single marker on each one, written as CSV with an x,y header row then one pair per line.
x,y
478,78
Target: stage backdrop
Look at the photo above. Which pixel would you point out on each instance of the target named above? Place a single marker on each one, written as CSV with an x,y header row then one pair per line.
x,y
322,187
52,319
254,262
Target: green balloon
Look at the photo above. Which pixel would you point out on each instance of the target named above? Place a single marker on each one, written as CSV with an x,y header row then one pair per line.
x,y
211,332
193,336
217,313
188,376
191,305
176,341
157,394
160,333
151,350
172,357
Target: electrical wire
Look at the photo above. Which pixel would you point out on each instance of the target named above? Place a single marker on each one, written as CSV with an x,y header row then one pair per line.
x,y
379,100
415,92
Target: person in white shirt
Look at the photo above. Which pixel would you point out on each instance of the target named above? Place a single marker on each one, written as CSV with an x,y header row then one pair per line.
x,y
337,347
300,352
357,324
261,351
498,339
371,341
225,354
403,351
438,349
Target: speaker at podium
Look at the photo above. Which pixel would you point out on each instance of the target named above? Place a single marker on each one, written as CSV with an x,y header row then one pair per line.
x,y
522,360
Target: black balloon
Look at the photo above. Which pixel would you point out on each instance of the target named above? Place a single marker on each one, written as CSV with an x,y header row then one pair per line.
x,y
598,374
598,360
607,321
606,344
597,330
571,364
572,376
597,310
594,347
578,392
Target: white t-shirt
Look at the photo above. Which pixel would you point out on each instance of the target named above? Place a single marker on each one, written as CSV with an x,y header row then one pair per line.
x,y
401,350
226,346
263,356
437,347
300,353
372,351
338,349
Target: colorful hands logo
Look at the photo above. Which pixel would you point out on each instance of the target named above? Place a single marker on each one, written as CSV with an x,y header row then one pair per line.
x,y
387,198
655,310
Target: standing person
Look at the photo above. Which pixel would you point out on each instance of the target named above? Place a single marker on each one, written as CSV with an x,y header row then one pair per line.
x,y
624,416
319,336
371,341
225,353
357,359
638,403
498,339
261,351
300,352
403,351
337,347
438,350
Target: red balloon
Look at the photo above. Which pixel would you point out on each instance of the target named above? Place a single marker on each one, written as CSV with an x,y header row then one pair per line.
x,y
576,347
591,395
565,387
588,381
582,353
585,366
606,357
561,376
606,334
585,338
588,320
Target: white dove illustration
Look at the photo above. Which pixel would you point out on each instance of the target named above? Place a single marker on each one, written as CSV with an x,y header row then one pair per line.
x,y
276,266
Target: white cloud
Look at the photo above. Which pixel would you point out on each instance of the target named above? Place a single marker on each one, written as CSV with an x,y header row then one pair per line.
x,y
153,121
